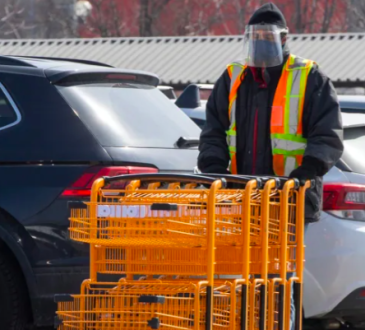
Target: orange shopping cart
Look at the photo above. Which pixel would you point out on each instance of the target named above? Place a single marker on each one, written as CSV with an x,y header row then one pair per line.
x,y
162,218
164,224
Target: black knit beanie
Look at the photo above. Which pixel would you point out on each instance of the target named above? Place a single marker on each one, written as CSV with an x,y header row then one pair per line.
x,y
268,14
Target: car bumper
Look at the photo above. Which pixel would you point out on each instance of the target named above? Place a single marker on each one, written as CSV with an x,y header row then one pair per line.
x,y
351,308
335,267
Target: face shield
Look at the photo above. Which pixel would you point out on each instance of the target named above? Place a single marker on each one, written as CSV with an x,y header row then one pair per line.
x,y
263,45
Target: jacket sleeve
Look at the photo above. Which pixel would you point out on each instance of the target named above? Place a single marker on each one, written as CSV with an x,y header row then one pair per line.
x,y
323,122
214,155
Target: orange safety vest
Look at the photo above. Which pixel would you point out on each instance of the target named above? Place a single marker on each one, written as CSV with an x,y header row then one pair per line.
x,y
287,141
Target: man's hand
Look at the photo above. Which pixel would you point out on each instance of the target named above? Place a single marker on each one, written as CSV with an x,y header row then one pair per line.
x,y
215,166
216,169
304,173
310,168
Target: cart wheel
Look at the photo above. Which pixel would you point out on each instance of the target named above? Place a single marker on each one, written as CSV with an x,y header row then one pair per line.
x,y
14,307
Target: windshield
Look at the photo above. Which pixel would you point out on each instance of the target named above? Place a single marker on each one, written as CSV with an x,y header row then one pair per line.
x,y
129,115
354,153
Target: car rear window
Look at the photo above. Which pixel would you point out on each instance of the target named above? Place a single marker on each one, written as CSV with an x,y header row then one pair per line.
x,y
354,153
129,115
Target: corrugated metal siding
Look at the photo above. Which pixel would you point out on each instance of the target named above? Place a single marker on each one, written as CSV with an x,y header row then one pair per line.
x,y
197,59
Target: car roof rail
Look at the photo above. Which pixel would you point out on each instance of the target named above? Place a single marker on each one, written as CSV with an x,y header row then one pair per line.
x,y
9,60
74,60
189,98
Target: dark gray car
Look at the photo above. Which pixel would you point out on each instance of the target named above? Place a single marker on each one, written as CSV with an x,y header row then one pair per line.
x,y
64,123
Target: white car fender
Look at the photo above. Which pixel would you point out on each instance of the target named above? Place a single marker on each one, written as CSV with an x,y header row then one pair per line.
x,y
313,296
334,265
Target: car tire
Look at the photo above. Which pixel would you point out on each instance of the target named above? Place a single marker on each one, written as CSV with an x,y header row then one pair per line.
x,y
14,307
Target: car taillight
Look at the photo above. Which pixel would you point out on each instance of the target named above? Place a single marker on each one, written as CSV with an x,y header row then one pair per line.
x,y
82,186
345,200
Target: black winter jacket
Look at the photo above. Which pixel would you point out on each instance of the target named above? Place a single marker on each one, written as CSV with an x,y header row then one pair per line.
x,y
322,126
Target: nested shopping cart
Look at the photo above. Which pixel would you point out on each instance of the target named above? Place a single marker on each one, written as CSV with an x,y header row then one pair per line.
x,y
178,229
164,231
150,218
134,305
154,304
275,252
159,225
151,305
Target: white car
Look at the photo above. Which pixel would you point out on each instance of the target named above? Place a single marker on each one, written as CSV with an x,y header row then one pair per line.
x,y
334,278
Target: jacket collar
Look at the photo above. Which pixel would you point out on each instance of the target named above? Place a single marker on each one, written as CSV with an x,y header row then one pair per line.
x,y
264,76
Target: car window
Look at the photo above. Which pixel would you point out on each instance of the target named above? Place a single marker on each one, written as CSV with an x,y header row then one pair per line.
x,y
129,115
205,93
350,90
169,93
354,153
352,110
9,114
199,122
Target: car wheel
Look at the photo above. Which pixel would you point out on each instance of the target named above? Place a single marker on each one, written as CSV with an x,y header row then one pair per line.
x,y
14,307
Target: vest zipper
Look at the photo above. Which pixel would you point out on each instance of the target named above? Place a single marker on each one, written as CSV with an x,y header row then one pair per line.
x,y
254,150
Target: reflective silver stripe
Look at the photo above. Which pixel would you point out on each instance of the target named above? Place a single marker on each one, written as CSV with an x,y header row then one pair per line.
x,y
294,102
232,141
235,74
290,165
287,145
299,62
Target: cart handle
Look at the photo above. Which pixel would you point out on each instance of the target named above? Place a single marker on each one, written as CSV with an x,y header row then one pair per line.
x,y
188,178
261,180
241,179
303,182
298,183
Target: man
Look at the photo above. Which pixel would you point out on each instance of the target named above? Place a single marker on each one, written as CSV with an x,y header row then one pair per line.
x,y
277,114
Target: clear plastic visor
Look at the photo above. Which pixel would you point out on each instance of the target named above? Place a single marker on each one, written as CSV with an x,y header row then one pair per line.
x,y
263,46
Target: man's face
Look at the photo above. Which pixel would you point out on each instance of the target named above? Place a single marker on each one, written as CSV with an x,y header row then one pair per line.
x,y
263,35
263,45
267,36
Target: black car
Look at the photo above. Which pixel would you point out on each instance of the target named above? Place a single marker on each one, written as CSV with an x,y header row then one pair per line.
x,y
64,123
